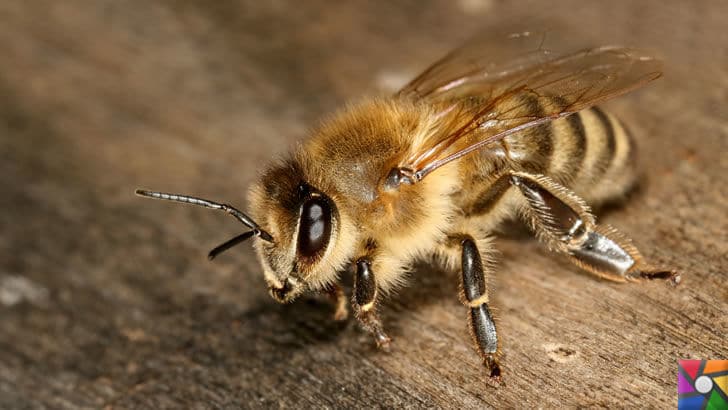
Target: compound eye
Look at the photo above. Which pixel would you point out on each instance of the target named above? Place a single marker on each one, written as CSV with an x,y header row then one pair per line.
x,y
315,226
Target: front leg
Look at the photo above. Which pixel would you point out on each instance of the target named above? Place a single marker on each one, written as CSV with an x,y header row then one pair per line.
x,y
563,221
364,301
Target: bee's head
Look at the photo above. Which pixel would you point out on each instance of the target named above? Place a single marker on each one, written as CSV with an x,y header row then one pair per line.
x,y
310,243
301,237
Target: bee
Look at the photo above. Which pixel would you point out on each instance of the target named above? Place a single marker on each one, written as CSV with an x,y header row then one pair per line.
x,y
437,168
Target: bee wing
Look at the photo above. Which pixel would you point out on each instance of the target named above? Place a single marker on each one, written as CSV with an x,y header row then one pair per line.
x,y
483,57
559,85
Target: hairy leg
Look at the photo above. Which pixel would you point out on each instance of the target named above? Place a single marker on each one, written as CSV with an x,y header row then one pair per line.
x,y
565,224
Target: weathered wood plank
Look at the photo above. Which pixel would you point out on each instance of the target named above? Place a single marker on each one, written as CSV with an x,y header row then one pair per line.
x,y
106,300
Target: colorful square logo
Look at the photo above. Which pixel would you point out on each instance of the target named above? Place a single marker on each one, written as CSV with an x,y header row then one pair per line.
x,y
702,385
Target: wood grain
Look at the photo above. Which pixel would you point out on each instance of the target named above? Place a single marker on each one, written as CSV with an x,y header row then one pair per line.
x,y
107,301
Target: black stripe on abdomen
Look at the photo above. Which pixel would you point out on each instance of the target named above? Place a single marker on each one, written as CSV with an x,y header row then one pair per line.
x,y
489,197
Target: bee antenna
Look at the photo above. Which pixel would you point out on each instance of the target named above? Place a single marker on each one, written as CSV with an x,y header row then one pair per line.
x,y
229,244
240,216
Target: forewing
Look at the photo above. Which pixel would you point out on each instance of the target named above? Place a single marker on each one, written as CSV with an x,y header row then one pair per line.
x,y
490,56
561,85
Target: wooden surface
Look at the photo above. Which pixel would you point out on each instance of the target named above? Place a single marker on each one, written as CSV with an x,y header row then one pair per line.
x,y
107,300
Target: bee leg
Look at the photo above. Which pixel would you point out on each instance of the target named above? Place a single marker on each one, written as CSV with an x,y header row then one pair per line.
x,y
364,301
475,296
564,222
338,297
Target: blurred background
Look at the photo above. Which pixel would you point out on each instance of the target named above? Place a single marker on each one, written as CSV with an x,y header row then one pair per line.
x,y
107,300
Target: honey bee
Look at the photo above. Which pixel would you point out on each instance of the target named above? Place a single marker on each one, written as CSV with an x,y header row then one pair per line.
x,y
435,169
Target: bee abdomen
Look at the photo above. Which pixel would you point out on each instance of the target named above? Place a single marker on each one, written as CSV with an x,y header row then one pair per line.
x,y
606,169
590,152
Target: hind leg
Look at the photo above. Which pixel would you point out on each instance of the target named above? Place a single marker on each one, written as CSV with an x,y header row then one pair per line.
x,y
563,221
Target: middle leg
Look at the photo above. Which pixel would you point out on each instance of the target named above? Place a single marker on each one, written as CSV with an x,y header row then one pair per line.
x,y
475,297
